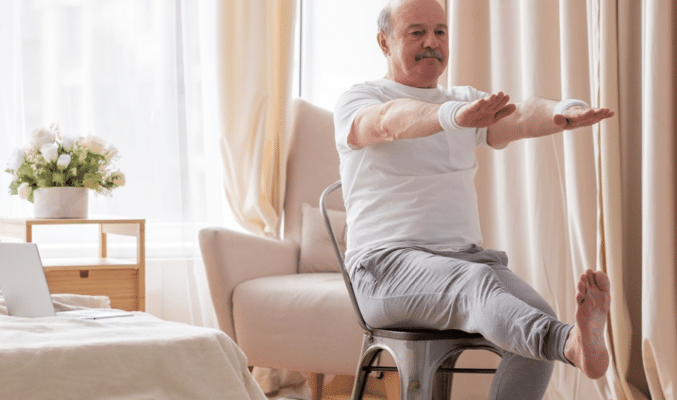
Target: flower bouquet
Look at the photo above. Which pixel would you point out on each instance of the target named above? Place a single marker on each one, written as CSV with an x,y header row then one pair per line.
x,y
56,160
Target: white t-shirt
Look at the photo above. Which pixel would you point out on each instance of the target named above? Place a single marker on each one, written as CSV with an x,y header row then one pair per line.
x,y
415,192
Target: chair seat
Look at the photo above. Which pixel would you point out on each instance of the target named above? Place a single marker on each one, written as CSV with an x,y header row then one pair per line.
x,y
425,334
287,320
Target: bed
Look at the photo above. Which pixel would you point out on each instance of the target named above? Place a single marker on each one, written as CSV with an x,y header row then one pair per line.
x,y
137,357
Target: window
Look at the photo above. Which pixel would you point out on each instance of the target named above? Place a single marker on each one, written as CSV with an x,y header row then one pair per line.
x,y
338,48
134,72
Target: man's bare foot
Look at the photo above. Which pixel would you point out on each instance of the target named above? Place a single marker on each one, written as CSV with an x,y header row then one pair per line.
x,y
585,346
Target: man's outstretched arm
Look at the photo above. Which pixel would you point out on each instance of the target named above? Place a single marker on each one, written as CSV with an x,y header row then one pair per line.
x,y
535,117
410,118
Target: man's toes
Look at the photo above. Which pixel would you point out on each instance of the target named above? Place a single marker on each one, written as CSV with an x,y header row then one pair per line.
x,y
589,278
602,281
580,297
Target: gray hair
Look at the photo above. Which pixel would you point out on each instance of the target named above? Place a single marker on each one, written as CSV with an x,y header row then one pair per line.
x,y
384,18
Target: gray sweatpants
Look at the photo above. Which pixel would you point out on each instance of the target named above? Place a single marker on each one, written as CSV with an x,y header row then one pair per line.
x,y
473,291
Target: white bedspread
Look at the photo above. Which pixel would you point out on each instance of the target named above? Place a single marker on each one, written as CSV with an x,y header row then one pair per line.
x,y
138,357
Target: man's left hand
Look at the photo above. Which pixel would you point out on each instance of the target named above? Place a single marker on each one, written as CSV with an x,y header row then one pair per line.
x,y
578,116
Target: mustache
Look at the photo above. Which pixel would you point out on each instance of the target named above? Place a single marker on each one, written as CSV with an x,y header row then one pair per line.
x,y
429,54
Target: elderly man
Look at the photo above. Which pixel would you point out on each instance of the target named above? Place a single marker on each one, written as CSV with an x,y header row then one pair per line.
x,y
407,149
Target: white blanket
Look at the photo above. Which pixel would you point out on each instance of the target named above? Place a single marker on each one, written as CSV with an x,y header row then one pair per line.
x,y
138,357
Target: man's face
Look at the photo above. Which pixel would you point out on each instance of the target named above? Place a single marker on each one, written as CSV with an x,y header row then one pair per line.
x,y
417,48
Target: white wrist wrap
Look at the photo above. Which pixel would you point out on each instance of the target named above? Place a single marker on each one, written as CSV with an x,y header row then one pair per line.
x,y
565,104
447,115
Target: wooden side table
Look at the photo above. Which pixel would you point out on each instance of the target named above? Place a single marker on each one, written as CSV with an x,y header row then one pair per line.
x,y
123,281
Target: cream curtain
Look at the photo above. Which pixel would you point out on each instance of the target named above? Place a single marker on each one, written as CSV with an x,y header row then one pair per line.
x,y
659,223
633,71
255,49
603,36
255,61
601,197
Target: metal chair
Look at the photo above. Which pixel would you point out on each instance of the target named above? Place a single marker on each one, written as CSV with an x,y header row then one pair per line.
x,y
425,359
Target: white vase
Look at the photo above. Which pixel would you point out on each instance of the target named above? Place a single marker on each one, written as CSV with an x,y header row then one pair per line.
x,y
61,202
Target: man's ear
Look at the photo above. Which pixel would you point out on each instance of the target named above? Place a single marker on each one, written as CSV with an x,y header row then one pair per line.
x,y
382,39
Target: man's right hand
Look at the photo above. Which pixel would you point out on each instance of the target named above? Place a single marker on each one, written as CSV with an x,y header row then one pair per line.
x,y
485,112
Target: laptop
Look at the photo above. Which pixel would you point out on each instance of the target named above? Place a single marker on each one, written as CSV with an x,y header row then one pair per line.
x,y
24,286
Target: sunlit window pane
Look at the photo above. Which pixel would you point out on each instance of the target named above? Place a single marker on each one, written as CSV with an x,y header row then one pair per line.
x,y
338,48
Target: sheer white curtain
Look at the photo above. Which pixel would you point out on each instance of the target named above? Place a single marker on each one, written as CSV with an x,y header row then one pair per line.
x,y
140,74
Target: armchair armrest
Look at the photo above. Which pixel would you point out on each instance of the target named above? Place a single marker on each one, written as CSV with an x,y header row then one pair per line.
x,y
231,258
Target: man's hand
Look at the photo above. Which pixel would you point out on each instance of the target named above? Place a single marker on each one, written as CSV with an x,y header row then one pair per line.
x,y
578,116
485,112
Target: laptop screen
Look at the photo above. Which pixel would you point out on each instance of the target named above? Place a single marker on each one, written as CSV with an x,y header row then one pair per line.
x,y
23,281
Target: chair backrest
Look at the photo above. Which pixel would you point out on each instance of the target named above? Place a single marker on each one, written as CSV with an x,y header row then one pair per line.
x,y
312,164
346,276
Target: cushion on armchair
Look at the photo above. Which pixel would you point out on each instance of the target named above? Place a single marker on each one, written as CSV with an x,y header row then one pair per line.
x,y
317,250
303,322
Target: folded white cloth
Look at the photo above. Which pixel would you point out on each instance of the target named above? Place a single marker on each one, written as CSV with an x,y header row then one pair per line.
x,y
67,302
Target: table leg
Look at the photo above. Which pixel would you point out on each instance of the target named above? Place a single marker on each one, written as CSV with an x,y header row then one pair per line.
x,y
103,242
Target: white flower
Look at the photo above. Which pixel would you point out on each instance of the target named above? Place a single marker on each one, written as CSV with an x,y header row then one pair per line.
x,y
42,136
68,142
16,159
85,162
50,151
24,190
118,179
63,161
93,143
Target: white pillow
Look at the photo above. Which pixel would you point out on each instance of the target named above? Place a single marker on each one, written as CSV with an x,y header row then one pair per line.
x,y
317,250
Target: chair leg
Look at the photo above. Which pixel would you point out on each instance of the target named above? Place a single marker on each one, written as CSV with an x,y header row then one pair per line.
x,y
419,377
359,385
316,381
443,380
361,375
415,376
442,386
413,384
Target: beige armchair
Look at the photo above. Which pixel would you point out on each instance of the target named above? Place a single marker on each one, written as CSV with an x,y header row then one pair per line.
x,y
284,301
